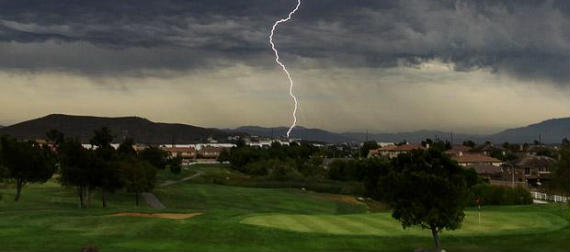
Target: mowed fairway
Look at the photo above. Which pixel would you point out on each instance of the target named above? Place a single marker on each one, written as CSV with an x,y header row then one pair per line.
x,y
255,219
382,224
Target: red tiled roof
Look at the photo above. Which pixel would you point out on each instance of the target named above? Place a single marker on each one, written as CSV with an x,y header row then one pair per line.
x,y
486,169
180,149
459,148
405,147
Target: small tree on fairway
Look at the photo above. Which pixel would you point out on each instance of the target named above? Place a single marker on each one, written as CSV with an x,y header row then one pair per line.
x,y
26,162
426,189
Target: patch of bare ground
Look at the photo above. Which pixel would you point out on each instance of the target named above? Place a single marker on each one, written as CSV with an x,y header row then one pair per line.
x,y
173,216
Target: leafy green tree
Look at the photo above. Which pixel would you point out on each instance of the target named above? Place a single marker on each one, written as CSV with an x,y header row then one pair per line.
x,y
55,137
562,170
366,147
77,168
469,143
375,169
26,162
107,176
471,177
155,156
175,164
140,176
426,188
102,137
224,156
126,148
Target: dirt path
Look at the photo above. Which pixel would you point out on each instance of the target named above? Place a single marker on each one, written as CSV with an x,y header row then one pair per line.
x,y
168,183
153,201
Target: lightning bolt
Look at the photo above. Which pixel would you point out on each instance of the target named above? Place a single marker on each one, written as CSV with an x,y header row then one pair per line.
x,y
277,59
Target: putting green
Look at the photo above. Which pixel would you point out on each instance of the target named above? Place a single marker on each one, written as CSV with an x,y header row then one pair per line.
x,y
382,224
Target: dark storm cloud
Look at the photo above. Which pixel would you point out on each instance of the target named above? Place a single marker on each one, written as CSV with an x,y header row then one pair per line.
x,y
526,39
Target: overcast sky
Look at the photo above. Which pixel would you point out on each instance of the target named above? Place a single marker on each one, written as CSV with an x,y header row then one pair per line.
x,y
468,66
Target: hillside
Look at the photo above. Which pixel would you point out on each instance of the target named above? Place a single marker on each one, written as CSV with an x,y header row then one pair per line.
x,y
414,136
550,131
142,130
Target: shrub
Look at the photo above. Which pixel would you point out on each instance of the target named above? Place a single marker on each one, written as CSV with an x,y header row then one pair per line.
x,y
497,195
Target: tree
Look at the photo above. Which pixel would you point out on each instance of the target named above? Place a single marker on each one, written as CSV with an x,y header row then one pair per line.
x,y
562,170
126,148
77,168
155,156
107,174
366,147
175,164
426,188
55,137
102,137
140,176
26,162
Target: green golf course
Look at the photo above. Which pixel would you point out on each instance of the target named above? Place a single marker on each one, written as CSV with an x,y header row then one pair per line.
x,y
47,218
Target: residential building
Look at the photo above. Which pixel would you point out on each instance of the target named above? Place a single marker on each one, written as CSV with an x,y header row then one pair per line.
x,y
392,151
469,159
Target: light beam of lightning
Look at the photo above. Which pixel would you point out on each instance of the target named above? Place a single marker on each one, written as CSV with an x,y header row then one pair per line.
x,y
277,59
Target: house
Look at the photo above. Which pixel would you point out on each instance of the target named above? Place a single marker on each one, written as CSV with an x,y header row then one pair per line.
x,y
392,151
488,172
458,150
186,153
470,159
535,169
211,152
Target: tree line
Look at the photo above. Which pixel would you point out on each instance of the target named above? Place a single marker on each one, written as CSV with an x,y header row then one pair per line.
x,y
99,169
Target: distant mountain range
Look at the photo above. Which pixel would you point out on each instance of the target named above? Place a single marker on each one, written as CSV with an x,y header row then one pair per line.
x,y
145,131
142,130
317,135
549,131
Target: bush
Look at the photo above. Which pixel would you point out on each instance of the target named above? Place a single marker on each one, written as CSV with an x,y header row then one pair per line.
x,y
497,195
322,186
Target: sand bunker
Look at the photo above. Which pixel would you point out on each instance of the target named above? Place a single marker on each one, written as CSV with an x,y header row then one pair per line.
x,y
173,216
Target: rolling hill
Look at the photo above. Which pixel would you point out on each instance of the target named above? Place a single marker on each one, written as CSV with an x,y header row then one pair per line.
x,y
142,130
550,131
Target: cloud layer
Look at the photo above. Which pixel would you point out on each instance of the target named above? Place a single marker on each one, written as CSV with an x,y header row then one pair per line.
x,y
525,39
464,65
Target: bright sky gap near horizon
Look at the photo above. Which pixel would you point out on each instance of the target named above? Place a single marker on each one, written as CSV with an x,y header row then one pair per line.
x,y
465,66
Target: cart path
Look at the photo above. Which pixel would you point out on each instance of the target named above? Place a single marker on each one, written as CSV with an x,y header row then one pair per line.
x,y
153,201
168,183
